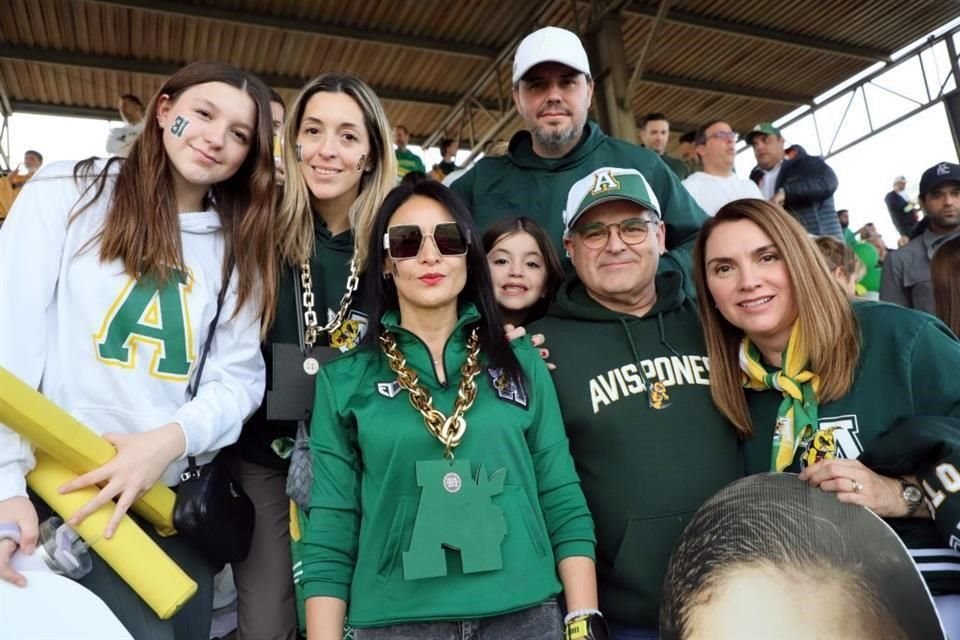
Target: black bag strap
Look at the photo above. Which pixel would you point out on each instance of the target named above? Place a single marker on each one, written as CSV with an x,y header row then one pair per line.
x,y
192,469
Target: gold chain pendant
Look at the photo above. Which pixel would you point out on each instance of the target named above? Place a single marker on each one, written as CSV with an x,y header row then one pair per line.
x,y
312,328
448,430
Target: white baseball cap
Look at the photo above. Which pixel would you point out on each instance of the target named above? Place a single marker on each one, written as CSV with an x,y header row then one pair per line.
x,y
550,44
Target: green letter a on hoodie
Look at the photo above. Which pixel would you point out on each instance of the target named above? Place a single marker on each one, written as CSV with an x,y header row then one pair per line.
x,y
152,316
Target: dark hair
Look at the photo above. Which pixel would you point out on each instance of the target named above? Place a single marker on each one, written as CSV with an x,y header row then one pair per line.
x,y
652,117
700,137
689,136
129,97
276,97
777,521
142,227
839,211
381,292
446,142
413,177
945,278
37,154
508,227
399,127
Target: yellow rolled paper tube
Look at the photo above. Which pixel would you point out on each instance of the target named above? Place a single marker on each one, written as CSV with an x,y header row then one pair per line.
x,y
130,552
71,443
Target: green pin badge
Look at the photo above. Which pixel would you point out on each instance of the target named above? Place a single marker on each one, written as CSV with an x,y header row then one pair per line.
x,y
458,513
179,125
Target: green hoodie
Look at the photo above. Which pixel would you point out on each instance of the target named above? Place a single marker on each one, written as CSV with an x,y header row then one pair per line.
x,y
522,183
645,471
329,268
366,439
900,417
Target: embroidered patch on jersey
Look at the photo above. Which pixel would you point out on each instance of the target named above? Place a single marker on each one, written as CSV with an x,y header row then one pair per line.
x,y
835,438
350,332
389,389
659,398
507,388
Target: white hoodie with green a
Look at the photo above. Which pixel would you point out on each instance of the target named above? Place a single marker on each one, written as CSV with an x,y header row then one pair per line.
x,y
118,353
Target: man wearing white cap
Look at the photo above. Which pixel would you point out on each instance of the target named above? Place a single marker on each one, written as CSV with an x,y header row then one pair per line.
x,y
634,387
904,213
552,90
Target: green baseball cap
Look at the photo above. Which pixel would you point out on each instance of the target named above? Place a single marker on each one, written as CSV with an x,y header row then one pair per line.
x,y
766,128
606,184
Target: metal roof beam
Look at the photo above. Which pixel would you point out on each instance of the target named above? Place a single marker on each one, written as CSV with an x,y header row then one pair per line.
x,y
114,63
736,91
66,110
309,27
820,45
4,101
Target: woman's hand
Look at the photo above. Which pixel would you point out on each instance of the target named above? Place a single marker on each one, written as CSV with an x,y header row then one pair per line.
x,y
20,511
856,484
140,461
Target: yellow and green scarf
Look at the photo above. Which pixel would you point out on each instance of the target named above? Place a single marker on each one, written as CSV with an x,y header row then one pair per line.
x,y
797,415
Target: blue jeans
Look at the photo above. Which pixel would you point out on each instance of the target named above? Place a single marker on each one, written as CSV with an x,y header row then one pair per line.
x,y
620,632
540,622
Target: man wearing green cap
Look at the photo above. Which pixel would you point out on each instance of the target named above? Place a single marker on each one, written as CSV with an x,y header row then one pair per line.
x,y
800,183
633,381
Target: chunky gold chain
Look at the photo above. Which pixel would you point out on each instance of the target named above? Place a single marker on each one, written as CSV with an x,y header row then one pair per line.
x,y
311,329
449,431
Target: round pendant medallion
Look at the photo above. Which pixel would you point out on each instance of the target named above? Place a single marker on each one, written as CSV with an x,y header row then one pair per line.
x,y
452,482
311,366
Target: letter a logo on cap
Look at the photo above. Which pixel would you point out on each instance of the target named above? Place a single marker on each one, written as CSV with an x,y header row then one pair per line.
x,y
603,181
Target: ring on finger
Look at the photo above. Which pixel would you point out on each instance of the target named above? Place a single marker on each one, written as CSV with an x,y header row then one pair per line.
x,y
857,486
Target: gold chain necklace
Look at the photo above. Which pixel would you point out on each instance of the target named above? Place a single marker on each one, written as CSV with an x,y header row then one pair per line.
x,y
449,431
312,329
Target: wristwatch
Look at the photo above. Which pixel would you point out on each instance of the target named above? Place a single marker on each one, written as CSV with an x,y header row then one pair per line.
x,y
586,627
912,495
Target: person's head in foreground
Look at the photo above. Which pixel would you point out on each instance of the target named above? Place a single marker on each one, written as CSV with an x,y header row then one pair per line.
x,y
771,557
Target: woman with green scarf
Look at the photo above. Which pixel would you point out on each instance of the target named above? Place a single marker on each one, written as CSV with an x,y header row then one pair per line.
x,y
862,399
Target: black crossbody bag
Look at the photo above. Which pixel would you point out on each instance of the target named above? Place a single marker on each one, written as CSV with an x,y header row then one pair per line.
x,y
211,510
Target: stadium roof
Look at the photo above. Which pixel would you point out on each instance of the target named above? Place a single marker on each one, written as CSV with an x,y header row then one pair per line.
x,y
443,67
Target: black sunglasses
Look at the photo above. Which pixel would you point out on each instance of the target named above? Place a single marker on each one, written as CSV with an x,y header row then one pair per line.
x,y
404,241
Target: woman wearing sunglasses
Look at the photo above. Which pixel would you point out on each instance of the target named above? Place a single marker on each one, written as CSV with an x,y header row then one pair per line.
x,y
444,492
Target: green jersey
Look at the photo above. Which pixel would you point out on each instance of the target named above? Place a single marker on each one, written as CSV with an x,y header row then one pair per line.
x,y
900,417
646,439
371,507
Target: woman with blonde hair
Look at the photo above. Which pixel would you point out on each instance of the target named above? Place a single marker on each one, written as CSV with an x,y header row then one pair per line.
x,y
862,399
339,165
